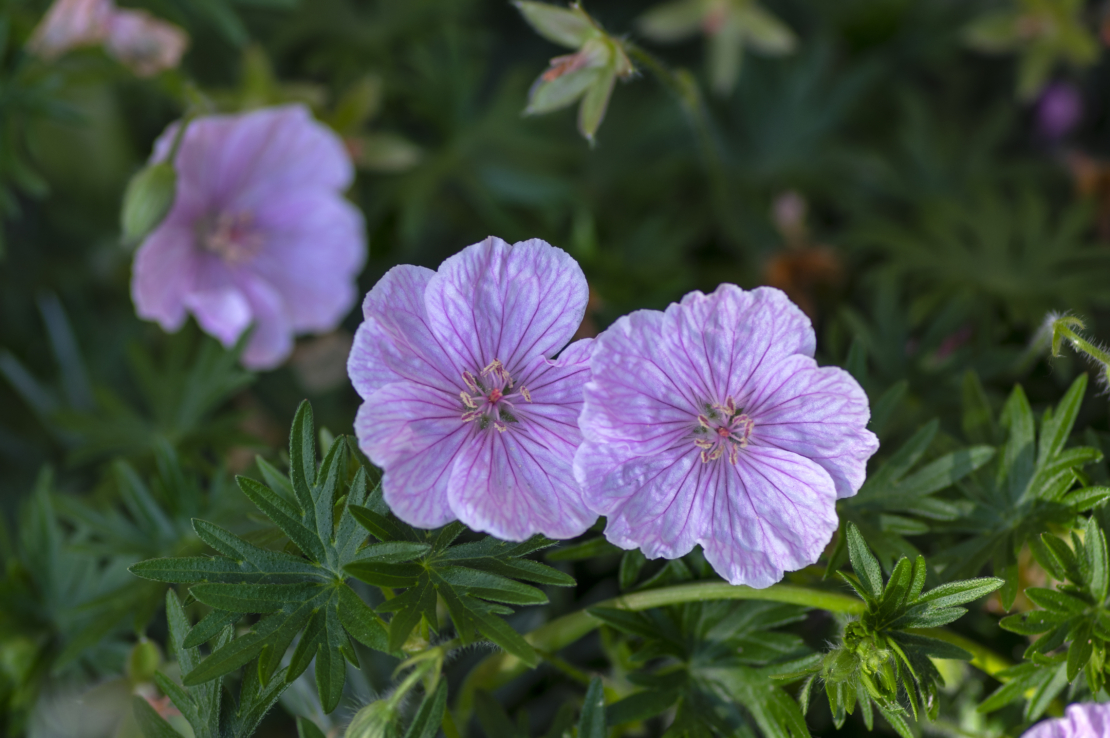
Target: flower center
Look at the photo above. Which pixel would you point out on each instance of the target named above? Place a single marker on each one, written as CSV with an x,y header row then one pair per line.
x,y
231,236
489,397
723,429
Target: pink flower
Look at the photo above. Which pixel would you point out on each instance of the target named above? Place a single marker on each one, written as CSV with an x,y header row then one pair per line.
x,y
1086,720
71,24
137,39
144,43
259,233
710,423
464,406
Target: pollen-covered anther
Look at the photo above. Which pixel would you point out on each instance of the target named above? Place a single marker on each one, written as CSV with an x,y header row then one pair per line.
x,y
468,380
472,415
527,395
704,422
468,400
501,427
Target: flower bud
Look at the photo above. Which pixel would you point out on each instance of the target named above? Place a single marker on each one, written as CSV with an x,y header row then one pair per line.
x,y
587,75
148,198
143,661
376,720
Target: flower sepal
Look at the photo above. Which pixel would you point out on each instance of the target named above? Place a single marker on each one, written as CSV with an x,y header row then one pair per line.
x,y
147,200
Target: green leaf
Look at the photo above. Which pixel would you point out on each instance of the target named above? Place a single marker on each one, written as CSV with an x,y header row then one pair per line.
x,y
425,724
1079,653
632,562
362,622
1032,623
1056,601
385,575
959,593
641,706
489,586
254,598
380,526
592,722
150,722
1094,545
864,563
302,458
308,729
1057,429
285,516
589,549
566,27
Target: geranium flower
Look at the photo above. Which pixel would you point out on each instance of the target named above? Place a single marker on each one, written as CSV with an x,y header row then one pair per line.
x,y
711,424
1086,720
259,233
145,44
463,406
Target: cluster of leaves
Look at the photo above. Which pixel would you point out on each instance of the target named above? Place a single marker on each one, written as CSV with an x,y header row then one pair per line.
x,y
302,593
713,663
1030,485
884,659
180,396
1072,629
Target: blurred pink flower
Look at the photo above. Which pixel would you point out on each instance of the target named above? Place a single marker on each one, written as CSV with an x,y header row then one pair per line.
x,y
71,24
143,43
259,233
1059,110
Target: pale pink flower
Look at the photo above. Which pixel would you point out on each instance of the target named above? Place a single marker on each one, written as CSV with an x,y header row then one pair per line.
x,y
145,44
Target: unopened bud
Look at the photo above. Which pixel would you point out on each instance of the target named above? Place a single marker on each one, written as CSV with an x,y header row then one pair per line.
x,y
148,199
143,661
376,720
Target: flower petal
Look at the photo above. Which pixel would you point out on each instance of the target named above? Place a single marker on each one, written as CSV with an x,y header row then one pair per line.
x,y
219,305
512,486
773,511
313,249
271,339
395,342
818,413
416,434
163,274
238,162
650,501
496,301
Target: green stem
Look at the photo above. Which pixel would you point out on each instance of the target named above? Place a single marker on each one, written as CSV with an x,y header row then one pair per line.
x,y
682,85
502,668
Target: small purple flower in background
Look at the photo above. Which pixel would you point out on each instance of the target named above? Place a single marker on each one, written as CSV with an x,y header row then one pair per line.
x,y
1085,720
1058,110
463,406
710,423
259,233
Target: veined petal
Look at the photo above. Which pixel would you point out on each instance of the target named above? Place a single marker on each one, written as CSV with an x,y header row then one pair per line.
x,y
511,486
651,502
820,413
509,302
773,511
416,434
395,342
